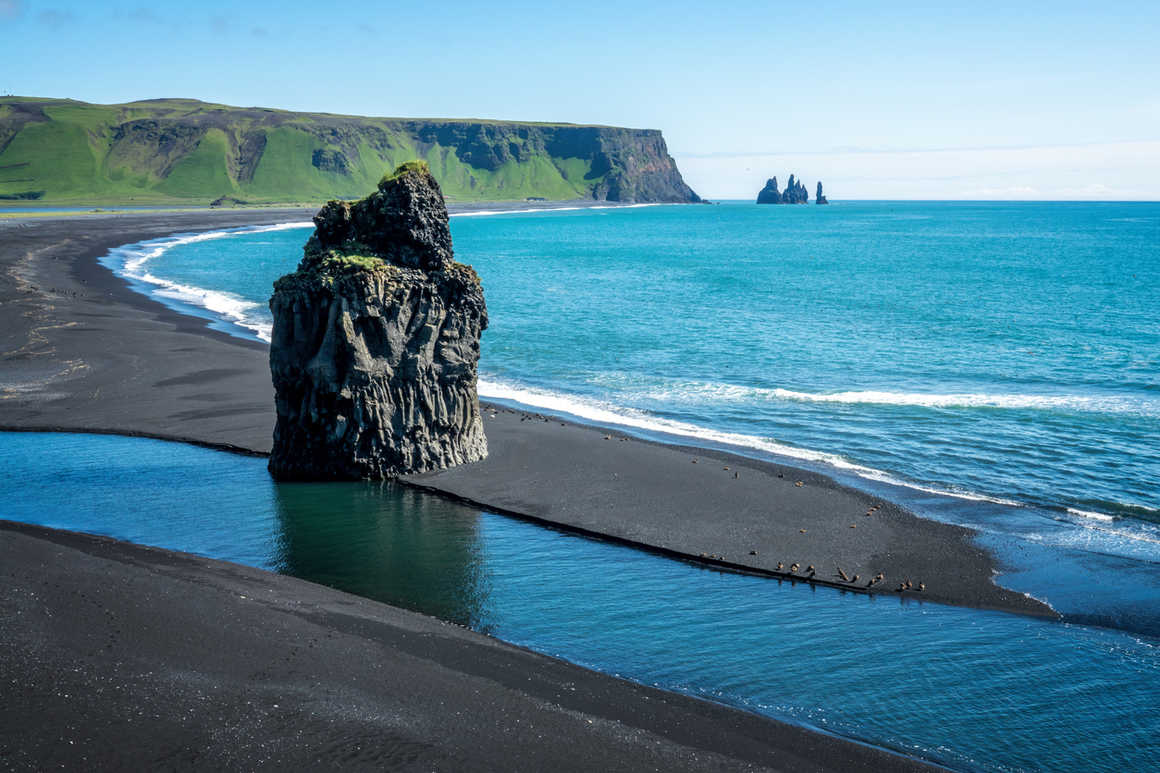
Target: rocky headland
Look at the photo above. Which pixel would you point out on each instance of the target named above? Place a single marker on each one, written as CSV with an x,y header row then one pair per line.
x,y
375,344
795,192
183,150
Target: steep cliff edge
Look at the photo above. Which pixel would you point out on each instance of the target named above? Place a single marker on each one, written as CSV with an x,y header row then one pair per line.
x,y
182,150
375,344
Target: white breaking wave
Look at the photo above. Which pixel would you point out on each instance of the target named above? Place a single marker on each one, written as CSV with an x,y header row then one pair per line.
x,y
603,413
1066,402
1090,514
229,306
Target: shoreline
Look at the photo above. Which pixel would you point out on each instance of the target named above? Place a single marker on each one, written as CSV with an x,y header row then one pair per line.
x,y
146,654
83,352
91,354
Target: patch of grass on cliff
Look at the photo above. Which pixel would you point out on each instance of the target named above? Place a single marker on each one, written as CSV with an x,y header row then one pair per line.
x,y
337,261
406,167
203,173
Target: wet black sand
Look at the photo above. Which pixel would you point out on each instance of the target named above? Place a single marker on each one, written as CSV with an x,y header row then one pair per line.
x,y
118,656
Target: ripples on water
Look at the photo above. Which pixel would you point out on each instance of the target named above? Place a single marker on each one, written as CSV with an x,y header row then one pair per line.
x,y
967,688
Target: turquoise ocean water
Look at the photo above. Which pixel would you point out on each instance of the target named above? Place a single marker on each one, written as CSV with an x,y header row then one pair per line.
x,y
995,365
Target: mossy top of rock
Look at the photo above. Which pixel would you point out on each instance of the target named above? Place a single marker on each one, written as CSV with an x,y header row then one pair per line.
x,y
407,167
404,223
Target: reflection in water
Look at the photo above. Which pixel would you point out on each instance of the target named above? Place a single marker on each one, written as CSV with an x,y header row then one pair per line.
x,y
386,542
977,690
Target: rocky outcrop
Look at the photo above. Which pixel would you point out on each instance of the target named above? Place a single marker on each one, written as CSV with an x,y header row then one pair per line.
x,y
375,344
795,193
820,197
769,194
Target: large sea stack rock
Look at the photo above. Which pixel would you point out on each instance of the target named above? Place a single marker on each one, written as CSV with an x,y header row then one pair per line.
x,y
820,197
769,194
375,345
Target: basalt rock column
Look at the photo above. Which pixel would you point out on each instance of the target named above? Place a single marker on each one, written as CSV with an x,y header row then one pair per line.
x,y
375,346
769,194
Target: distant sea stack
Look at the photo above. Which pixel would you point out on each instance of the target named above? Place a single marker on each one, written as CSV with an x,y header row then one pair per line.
x,y
820,198
375,345
769,194
795,193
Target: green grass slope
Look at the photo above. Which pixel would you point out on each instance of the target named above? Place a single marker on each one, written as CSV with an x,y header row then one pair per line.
x,y
178,151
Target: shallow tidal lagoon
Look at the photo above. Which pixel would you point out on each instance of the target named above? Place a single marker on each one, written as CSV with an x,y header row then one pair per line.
x,y
970,689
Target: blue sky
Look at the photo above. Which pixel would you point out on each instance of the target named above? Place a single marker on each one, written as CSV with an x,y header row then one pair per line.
x,y
974,100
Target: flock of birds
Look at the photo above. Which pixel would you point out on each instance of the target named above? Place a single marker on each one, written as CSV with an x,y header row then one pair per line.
x,y
811,572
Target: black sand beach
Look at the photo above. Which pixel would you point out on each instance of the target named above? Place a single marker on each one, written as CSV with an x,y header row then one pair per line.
x,y
116,656
82,352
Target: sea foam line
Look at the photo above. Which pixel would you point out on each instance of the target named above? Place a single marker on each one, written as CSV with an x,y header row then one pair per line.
x,y
130,261
602,413
1008,401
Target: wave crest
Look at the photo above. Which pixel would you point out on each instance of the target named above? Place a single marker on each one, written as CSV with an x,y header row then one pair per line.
x,y
1007,401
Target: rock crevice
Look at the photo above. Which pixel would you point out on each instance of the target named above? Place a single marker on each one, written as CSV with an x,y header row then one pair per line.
x,y
375,344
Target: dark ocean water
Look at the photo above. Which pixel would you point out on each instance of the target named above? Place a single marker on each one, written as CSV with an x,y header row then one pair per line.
x,y
990,364
967,688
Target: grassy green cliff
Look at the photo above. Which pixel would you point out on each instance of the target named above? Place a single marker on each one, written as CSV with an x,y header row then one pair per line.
x,y
185,152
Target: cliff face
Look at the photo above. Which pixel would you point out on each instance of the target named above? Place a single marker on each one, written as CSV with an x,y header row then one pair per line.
x,y
161,150
375,343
